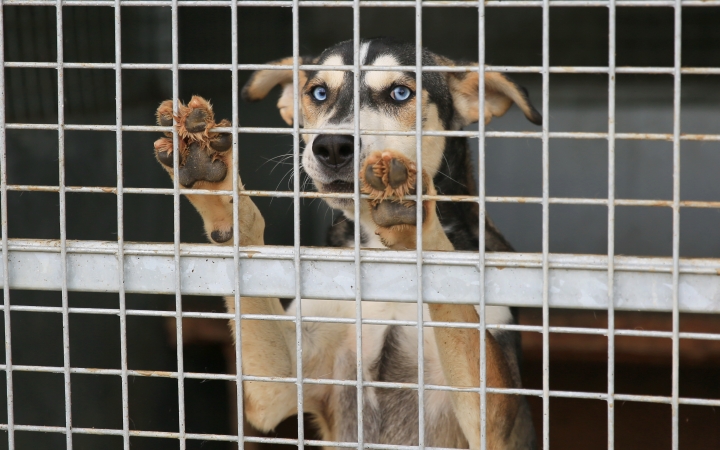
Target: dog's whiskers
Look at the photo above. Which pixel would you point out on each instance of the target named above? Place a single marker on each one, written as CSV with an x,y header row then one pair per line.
x,y
448,176
279,160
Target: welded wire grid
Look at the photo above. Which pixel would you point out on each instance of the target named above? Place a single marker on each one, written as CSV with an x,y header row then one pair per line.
x,y
178,249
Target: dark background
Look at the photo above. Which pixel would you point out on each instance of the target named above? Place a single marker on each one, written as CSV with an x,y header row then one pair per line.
x,y
578,168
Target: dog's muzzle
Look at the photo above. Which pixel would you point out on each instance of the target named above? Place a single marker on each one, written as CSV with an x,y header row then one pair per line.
x,y
334,151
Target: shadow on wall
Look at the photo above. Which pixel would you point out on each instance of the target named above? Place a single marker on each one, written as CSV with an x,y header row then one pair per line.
x,y
513,37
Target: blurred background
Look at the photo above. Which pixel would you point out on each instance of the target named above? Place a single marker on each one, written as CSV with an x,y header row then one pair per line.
x,y
578,168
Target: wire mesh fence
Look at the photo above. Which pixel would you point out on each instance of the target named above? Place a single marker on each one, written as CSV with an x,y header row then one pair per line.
x,y
542,279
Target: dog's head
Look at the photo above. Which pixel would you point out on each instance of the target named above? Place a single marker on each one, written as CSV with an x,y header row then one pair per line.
x,y
387,103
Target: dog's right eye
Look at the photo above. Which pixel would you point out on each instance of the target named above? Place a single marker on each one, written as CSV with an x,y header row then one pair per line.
x,y
319,93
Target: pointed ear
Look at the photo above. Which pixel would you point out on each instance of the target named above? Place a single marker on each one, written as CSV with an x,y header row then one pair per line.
x,y
263,81
500,93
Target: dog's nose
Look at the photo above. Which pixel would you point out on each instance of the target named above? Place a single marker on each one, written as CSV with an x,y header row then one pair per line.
x,y
333,150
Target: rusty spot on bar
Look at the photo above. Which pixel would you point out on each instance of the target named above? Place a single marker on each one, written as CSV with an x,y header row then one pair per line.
x,y
659,203
152,373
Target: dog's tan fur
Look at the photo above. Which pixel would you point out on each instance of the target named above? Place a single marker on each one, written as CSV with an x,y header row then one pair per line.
x,y
457,348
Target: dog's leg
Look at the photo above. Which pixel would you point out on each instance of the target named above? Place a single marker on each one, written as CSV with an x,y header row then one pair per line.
x,y
386,177
205,163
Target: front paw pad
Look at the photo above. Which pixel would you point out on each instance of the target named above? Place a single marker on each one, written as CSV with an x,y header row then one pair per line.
x,y
388,174
387,177
202,153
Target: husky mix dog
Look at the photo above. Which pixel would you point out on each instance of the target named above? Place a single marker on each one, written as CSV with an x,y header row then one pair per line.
x,y
388,171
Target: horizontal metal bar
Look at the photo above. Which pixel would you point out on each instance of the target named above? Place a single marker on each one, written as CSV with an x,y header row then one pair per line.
x,y
113,128
170,191
375,384
441,198
471,134
349,68
212,437
118,372
389,322
369,3
219,437
513,279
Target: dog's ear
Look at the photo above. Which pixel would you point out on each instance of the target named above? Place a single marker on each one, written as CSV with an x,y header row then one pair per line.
x,y
500,93
263,81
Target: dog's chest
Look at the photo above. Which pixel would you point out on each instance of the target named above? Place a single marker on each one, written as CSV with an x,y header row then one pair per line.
x,y
378,340
389,354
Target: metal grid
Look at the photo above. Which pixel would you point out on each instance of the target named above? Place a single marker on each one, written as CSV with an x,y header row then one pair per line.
x,y
625,277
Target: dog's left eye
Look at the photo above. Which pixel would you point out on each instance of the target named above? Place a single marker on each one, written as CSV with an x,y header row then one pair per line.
x,y
320,93
401,93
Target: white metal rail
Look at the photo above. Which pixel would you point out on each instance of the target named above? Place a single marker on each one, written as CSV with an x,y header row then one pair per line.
x,y
542,280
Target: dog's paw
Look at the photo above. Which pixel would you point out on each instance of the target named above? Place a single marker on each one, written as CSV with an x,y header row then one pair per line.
x,y
387,177
204,155
388,174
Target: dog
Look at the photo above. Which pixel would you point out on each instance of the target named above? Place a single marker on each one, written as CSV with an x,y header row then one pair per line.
x,y
388,172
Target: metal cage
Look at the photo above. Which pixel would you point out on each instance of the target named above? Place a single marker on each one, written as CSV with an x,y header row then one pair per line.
x,y
544,280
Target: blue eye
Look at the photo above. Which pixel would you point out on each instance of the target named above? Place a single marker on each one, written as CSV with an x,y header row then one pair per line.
x,y
320,93
401,93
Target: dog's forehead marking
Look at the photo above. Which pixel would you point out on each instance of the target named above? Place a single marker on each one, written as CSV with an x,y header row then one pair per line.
x,y
333,78
378,80
364,52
